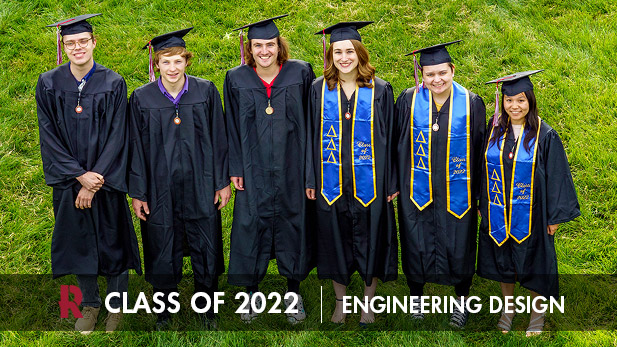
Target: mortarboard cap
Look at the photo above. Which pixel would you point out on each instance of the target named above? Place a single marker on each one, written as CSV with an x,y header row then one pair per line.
x,y
511,85
263,30
75,25
344,31
172,39
515,83
434,55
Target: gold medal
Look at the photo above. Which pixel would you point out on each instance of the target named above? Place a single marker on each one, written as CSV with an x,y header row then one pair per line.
x,y
78,109
177,120
269,110
435,127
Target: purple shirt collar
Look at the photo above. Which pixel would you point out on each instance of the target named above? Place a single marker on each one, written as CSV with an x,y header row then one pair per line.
x,y
184,89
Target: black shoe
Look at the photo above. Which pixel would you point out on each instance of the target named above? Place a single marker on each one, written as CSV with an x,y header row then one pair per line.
x,y
458,319
163,321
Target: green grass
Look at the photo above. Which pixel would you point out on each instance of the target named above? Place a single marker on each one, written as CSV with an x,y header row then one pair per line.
x,y
573,40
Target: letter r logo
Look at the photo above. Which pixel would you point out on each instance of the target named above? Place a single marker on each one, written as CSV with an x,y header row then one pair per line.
x,y
66,304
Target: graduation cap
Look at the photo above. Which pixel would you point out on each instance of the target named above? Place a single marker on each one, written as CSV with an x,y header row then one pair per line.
x,y
344,31
340,32
263,30
433,55
511,85
171,39
75,25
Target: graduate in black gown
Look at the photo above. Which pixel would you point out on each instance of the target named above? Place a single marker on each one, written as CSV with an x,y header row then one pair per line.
x,y
178,176
353,181
266,103
439,163
527,191
81,108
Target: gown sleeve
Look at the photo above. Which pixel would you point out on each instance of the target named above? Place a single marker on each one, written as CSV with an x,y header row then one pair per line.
x,y
138,178
219,141
112,159
310,138
58,164
399,115
236,168
391,173
561,201
478,129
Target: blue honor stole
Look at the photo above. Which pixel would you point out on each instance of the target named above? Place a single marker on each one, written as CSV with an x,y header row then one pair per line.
x,y
516,223
364,185
458,180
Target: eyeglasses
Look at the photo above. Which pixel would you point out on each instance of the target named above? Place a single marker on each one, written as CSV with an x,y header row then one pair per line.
x,y
80,42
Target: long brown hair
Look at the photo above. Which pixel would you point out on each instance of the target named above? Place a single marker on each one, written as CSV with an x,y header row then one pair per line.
x,y
366,71
531,120
282,57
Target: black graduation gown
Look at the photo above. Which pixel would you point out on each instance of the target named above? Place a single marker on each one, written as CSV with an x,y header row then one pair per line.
x,y
101,239
533,262
351,237
177,169
436,246
271,216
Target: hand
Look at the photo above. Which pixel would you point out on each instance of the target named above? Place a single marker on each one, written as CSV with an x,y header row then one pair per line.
x,y
238,182
552,228
224,194
84,198
391,197
141,209
310,193
91,181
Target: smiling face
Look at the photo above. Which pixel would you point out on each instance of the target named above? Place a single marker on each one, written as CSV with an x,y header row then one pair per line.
x,y
265,52
516,107
344,56
438,78
172,68
82,46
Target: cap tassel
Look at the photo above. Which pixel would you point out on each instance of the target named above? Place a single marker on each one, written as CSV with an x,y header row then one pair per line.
x,y
58,49
242,62
496,114
415,70
323,40
151,63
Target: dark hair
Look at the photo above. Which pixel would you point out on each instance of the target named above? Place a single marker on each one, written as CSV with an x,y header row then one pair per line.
x,y
172,51
531,120
282,57
366,71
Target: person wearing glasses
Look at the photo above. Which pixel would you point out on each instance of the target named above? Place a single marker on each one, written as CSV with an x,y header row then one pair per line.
x,y
81,109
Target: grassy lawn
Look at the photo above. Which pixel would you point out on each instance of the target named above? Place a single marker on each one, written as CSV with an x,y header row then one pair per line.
x,y
574,41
